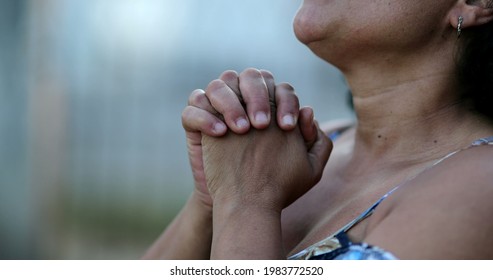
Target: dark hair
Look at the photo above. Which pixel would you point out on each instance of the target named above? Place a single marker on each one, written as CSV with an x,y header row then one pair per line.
x,y
475,68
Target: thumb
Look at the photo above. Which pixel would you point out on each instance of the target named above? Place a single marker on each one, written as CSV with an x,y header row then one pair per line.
x,y
319,152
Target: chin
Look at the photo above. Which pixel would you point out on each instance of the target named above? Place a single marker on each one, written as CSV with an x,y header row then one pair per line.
x,y
306,26
309,32
318,26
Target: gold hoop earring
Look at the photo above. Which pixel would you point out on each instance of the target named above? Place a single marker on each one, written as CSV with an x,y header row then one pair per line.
x,y
459,26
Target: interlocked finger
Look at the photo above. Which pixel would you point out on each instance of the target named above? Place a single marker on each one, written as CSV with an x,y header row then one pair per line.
x,y
225,101
195,119
199,99
287,106
255,93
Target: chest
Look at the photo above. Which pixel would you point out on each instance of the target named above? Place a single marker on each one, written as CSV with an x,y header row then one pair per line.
x,y
331,205
326,213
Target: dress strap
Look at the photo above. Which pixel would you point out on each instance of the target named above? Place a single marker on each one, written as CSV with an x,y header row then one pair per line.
x,y
368,212
335,240
483,141
336,128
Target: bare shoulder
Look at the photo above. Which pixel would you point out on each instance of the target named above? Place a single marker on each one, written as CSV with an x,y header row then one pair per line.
x,y
444,213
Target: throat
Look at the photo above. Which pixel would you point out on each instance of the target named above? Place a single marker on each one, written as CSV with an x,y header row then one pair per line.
x,y
404,137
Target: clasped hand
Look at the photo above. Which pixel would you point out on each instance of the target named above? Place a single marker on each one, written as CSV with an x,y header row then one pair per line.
x,y
239,155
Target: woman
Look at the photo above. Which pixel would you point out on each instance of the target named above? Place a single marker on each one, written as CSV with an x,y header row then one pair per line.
x,y
409,180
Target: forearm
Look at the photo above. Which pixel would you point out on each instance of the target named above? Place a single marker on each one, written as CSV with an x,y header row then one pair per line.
x,y
189,236
246,233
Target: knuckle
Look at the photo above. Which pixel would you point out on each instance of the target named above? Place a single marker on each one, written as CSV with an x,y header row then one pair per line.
x,y
267,74
286,87
288,99
256,98
251,72
215,85
289,96
193,120
186,115
196,97
229,75
296,100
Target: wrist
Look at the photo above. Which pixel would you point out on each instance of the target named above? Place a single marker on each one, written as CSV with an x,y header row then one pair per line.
x,y
263,198
232,206
246,232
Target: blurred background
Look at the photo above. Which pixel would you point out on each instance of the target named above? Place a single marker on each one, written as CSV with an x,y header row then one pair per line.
x,y
93,161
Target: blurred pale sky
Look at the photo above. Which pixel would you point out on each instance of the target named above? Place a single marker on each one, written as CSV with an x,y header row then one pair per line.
x,y
92,154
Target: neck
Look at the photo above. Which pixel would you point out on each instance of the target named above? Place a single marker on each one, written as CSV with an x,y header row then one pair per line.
x,y
409,108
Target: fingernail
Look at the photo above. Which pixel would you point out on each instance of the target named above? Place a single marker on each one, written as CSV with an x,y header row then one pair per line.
x,y
219,128
261,117
288,120
241,123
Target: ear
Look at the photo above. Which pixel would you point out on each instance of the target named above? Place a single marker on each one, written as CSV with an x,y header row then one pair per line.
x,y
473,12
